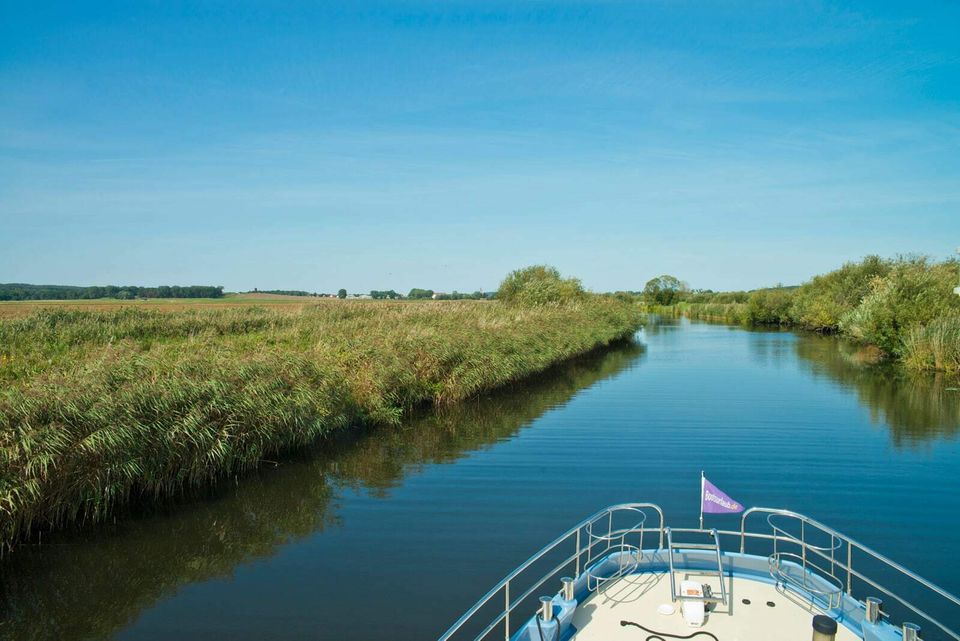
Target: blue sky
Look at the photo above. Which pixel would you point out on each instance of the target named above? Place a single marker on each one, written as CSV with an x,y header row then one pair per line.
x,y
441,144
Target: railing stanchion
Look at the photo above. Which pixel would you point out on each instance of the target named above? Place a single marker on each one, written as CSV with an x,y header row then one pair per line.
x,y
506,609
803,542
849,568
579,552
609,530
743,533
833,554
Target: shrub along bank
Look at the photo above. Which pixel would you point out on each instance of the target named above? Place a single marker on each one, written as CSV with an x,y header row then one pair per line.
x,y
905,306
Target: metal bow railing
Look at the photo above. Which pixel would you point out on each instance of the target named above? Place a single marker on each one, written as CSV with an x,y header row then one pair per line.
x,y
586,545
831,565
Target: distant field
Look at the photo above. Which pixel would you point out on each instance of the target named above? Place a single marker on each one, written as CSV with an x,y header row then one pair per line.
x,y
10,309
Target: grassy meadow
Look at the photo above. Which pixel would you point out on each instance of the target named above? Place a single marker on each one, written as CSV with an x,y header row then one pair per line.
x,y
102,407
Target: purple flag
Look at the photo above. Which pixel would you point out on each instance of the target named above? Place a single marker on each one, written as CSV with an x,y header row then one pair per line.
x,y
716,502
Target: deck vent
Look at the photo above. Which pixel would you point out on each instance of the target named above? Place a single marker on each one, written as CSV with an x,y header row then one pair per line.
x,y
824,628
911,632
546,608
873,609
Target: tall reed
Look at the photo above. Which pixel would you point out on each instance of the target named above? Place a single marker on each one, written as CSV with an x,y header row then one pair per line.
x,y
934,346
100,409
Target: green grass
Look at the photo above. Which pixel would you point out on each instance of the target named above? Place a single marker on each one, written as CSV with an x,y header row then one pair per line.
x,y
99,409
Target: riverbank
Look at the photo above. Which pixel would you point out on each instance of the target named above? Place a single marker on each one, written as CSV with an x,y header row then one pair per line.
x,y
102,409
906,308
132,566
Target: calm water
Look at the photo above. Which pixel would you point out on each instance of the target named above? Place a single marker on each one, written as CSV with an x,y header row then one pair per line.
x,y
393,534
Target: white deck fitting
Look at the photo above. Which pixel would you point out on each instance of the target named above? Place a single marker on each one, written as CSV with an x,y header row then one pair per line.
x,y
636,598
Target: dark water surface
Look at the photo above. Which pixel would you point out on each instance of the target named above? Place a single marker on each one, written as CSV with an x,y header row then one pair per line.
x,y
393,534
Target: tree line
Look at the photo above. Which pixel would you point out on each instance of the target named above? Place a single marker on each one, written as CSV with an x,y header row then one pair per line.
x,y
23,291
283,292
423,294
667,290
417,293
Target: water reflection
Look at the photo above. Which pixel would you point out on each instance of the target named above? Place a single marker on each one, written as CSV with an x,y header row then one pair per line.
x,y
87,586
658,324
91,585
380,461
915,407
772,347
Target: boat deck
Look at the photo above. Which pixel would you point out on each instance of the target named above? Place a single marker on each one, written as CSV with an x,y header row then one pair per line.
x,y
746,617
792,559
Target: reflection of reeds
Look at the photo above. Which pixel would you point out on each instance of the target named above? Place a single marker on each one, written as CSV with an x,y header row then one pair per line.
x,y
935,345
101,409
126,572
88,587
445,433
916,407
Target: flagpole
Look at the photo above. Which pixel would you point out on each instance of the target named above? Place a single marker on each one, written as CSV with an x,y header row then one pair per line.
x,y
701,499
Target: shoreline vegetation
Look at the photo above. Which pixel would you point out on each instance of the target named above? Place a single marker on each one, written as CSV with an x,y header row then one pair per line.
x,y
250,521
103,409
903,308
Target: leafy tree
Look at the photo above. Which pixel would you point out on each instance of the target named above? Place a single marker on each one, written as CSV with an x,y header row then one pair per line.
x,y
539,285
417,293
455,295
284,292
664,290
341,293
913,293
770,306
821,303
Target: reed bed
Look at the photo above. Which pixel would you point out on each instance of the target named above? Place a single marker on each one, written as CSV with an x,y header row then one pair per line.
x,y
100,409
934,346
